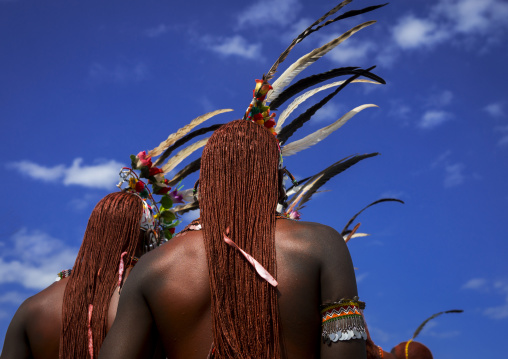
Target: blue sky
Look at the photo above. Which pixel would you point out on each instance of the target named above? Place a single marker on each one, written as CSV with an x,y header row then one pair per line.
x,y
86,84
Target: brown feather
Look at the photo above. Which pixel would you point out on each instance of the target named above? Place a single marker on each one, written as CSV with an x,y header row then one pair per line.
x,y
419,329
184,172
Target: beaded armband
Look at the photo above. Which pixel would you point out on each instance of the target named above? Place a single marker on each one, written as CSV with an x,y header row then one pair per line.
x,y
63,274
343,320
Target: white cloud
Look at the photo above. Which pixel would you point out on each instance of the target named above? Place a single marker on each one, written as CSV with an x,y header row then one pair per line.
x,y
101,175
498,312
270,12
434,118
457,19
35,259
47,174
351,51
157,30
294,29
476,284
361,277
453,172
235,46
495,109
411,32
206,104
400,110
454,175
118,73
430,330
473,16
440,99
503,141
497,286
380,335
84,202
393,194
330,111
12,297
442,159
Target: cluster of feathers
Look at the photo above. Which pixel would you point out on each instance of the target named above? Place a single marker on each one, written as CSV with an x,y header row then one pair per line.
x,y
283,90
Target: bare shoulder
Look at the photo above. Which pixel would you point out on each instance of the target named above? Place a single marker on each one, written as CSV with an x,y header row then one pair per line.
x,y
46,302
36,324
317,238
329,251
169,264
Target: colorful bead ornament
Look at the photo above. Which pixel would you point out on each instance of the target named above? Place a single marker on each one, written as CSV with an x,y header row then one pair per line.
x,y
63,274
343,320
258,112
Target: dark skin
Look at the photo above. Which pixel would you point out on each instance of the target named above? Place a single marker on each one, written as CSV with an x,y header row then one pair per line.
x,y
34,332
168,295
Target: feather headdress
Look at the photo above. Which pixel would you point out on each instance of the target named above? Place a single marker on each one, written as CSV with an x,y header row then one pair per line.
x,y
268,98
283,90
154,174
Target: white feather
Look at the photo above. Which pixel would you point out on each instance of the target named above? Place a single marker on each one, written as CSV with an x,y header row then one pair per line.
x,y
183,154
356,235
183,131
302,98
305,61
310,140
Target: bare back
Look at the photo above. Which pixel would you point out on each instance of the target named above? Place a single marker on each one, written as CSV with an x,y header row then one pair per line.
x,y
34,332
313,267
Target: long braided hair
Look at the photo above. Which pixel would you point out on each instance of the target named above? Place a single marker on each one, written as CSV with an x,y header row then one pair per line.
x,y
113,228
239,191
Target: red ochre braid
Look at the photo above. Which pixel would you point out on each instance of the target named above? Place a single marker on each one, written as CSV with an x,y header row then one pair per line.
x,y
239,179
113,228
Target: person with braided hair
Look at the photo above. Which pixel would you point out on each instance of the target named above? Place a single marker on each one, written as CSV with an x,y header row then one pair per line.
x,y
70,318
242,282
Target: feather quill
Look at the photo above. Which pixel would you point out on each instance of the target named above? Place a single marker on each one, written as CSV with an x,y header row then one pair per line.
x,y
345,231
310,140
319,179
305,61
302,98
183,131
312,80
184,140
183,154
350,235
419,329
184,172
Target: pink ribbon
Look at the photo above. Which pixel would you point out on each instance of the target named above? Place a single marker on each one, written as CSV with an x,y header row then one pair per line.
x,y
263,273
90,337
121,267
